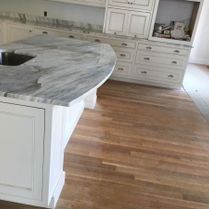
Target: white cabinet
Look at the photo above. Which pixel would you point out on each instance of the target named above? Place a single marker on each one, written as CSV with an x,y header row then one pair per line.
x,y
21,147
116,22
133,4
138,25
129,23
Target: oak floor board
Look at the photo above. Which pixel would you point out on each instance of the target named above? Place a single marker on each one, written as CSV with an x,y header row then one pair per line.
x,y
141,148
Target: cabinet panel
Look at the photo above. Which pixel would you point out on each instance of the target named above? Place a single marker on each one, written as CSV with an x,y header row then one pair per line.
x,y
125,55
129,44
138,25
21,144
162,49
133,4
116,21
122,69
151,74
159,59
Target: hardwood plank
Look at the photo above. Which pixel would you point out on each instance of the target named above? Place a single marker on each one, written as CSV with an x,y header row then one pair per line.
x,y
141,148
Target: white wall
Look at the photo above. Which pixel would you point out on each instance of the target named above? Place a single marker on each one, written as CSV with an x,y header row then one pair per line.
x,y
200,52
181,10
66,11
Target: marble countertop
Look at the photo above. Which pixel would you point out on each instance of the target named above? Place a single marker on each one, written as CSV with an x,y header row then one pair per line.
x,y
62,71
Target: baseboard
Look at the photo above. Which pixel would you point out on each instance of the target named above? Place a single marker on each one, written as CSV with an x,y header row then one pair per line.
x,y
199,61
57,191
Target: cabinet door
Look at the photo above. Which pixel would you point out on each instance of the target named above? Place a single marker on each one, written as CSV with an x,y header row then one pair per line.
x,y
19,32
138,25
143,4
21,151
116,22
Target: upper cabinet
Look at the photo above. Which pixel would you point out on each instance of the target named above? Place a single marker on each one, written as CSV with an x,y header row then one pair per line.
x,y
133,4
175,21
96,3
128,23
129,17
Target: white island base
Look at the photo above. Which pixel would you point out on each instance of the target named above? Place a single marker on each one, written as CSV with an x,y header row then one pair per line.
x,y
33,137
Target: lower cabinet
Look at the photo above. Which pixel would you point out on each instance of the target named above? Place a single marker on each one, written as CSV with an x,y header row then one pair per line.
x,y
129,23
21,147
140,61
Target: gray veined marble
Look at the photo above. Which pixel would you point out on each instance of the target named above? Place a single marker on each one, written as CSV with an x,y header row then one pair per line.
x,y
62,71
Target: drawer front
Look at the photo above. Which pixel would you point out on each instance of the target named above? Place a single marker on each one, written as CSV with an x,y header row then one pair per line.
x,y
62,34
162,49
122,69
134,4
159,59
154,75
113,42
125,55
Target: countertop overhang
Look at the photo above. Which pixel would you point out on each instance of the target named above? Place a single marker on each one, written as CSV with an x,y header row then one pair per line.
x,y
62,71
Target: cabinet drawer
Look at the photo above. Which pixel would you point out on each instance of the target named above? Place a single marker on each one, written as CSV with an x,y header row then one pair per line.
x,y
133,4
122,69
159,59
154,75
113,42
125,55
162,49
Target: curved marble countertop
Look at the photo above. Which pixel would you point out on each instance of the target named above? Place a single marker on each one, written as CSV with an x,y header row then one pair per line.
x,y
62,71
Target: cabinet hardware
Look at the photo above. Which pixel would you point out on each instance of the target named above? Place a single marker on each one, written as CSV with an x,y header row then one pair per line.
x,y
174,62
122,55
44,32
97,40
171,76
121,69
124,44
71,36
144,72
149,48
146,58
30,31
176,51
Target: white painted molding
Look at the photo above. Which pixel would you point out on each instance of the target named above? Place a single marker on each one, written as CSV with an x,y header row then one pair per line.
x,y
197,60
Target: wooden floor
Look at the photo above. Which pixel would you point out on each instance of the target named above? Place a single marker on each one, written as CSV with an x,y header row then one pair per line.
x,y
196,84
142,148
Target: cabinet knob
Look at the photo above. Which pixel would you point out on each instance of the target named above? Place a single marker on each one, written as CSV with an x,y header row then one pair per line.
x,y
97,40
121,69
171,76
124,44
30,31
177,51
45,32
144,72
147,58
149,48
123,55
71,36
174,62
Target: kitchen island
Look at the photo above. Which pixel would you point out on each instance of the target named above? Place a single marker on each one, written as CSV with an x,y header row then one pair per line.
x,y
41,101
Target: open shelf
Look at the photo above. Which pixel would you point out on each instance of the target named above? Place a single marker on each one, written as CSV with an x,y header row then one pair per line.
x,y
175,21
